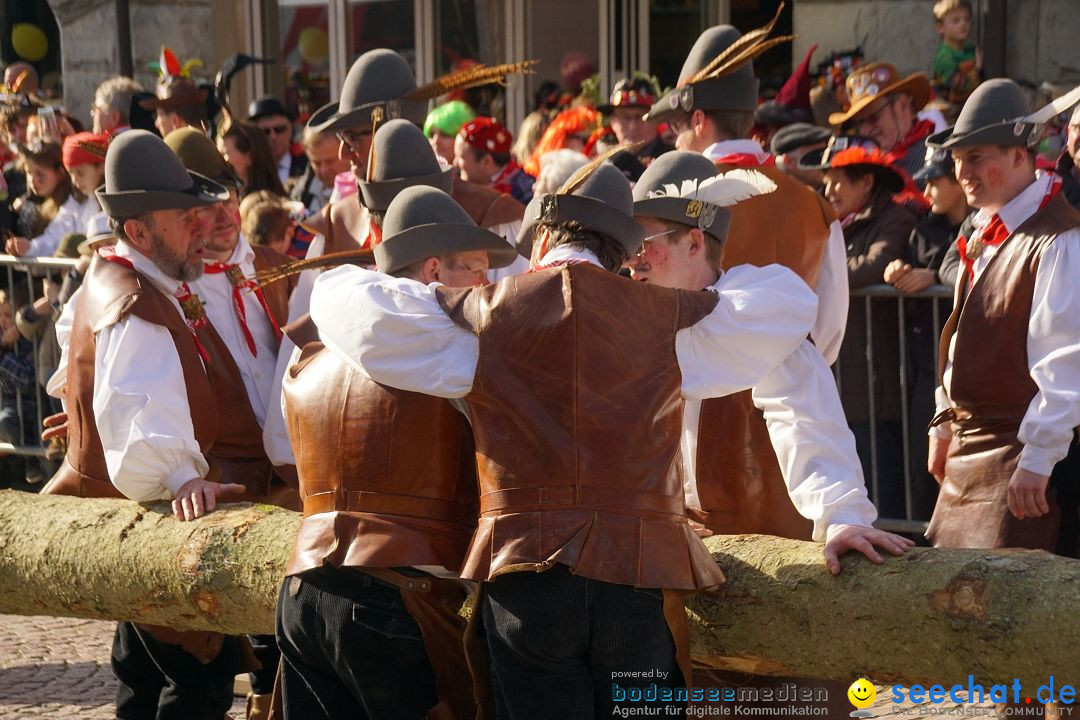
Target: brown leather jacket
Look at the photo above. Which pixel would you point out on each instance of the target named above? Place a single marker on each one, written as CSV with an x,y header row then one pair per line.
x,y
387,477
576,413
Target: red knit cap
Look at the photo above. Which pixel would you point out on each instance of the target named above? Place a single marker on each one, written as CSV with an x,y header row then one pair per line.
x,y
85,148
487,135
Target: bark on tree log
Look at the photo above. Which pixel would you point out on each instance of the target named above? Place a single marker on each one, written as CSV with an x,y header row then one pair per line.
x,y
933,616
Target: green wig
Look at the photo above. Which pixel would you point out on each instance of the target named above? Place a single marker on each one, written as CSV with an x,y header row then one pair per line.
x,y
448,118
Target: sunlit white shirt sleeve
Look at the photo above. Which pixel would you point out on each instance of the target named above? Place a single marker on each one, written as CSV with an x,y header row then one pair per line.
x,y
142,411
62,327
1053,348
833,297
394,331
762,315
812,441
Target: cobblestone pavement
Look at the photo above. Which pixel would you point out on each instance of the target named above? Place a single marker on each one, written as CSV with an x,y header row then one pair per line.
x,y
58,668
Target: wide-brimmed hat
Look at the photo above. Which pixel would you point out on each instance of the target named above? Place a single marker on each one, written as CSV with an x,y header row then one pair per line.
x,y
597,197
378,79
98,232
795,136
423,222
685,188
638,92
938,163
658,193
200,155
175,92
869,82
266,106
143,175
992,115
855,151
718,74
403,158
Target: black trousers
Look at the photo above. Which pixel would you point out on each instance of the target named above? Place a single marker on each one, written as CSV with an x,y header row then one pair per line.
x,y
350,649
159,681
563,646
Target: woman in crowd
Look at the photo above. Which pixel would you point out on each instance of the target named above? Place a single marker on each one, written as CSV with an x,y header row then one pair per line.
x,y
860,185
245,148
52,207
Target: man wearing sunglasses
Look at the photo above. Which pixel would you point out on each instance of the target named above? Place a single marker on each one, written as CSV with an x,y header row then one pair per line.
x,y
272,117
885,107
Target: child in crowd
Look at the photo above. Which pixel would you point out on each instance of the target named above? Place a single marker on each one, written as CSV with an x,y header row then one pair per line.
x,y
84,159
52,207
957,66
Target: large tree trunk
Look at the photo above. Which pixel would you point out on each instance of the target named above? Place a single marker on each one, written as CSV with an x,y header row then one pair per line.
x,y
933,616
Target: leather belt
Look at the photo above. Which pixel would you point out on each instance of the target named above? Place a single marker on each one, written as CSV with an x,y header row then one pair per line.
x,y
390,504
583,497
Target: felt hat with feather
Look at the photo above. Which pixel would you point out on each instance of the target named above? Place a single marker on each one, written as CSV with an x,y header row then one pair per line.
x,y
424,221
597,197
175,87
684,187
998,113
401,158
718,74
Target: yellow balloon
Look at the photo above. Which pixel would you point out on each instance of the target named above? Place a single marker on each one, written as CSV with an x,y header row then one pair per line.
x,y
314,45
29,42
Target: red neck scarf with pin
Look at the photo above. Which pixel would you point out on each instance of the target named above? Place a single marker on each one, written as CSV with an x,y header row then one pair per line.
x,y
996,233
745,160
921,129
240,284
192,307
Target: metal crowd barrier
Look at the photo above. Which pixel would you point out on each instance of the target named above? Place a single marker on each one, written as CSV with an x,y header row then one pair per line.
x,y
869,295
22,279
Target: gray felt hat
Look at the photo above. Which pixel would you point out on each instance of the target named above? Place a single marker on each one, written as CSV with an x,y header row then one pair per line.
x,y
992,115
737,91
602,203
142,175
673,168
423,222
378,79
403,158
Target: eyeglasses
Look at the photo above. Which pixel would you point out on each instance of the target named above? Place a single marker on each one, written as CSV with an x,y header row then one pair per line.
x,y
352,139
650,238
276,129
871,118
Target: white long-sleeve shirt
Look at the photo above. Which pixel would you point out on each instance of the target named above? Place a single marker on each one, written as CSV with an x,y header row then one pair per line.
x,y
140,401
832,284
397,333
71,218
216,293
811,438
1053,338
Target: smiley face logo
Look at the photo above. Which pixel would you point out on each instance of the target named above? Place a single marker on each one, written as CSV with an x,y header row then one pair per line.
x,y
861,694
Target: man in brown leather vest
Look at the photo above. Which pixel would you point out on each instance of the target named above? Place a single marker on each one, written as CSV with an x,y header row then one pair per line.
x,y
1006,454
713,113
801,469
149,396
246,318
367,616
574,378
1003,444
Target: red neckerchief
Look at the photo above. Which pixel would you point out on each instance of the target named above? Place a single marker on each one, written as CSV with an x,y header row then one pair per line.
x,y
501,181
851,217
996,233
374,237
745,160
921,129
240,283
194,312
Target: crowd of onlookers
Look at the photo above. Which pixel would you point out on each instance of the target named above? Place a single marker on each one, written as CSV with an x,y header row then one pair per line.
x,y
855,131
